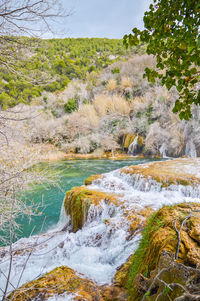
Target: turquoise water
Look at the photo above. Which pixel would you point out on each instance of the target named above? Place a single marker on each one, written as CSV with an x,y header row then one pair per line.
x,y
66,174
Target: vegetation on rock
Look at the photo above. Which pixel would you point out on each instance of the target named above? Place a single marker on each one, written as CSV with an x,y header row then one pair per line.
x,y
78,201
165,173
160,236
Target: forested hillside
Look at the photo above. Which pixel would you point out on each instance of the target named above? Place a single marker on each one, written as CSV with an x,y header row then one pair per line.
x,y
37,65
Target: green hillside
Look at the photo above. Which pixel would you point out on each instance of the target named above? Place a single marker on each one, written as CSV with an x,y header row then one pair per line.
x,y
51,64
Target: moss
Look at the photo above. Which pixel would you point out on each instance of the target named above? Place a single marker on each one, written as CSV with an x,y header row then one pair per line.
x,y
143,261
128,140
78,201
92,178
159,235
60,280
166,173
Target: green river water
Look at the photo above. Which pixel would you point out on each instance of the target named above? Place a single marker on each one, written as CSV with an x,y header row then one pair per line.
x,y
67,174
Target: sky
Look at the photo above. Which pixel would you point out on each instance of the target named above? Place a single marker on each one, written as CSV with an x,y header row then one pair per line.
x,y
103,18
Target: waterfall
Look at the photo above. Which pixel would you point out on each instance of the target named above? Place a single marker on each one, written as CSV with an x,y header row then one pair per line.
x,y
163,150
190,149
132,147
104,242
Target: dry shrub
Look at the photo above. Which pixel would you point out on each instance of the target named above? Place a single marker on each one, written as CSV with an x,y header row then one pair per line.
x,y
109,144
76,88
77,125
138,103
101,104
171,139
84,144
126,83
88,111
156,137
105,105
111,85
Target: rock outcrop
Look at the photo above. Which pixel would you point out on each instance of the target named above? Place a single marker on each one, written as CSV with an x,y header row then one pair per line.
x,y
78,201
156,256
63,281
179,171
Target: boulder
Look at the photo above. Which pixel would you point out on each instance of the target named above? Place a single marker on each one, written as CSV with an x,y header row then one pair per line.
x,y
78,201
63,281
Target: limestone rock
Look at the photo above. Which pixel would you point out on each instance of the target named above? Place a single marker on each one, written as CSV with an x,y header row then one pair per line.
x,y
59,281
78,201
157,252
169,172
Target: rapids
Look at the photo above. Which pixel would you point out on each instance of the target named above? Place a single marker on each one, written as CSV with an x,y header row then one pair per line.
x,y
99,248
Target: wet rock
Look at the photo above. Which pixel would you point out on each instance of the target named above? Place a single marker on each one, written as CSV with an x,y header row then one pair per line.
x,y
179,171
92,178
153,267
63,281
78,201
59,281
113,293
129,140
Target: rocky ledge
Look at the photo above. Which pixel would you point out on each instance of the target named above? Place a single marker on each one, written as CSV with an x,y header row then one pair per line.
x,y
183,171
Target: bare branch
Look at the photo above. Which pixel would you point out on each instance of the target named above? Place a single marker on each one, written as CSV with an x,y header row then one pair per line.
x,y
179,233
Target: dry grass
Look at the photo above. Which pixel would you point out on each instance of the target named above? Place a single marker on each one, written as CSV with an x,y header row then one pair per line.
x,y
105,105
88,111
111,85
138,104
126,83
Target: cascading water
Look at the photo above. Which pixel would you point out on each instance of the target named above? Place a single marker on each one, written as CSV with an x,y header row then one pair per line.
x,y
163,150
100,247
132,147
190,149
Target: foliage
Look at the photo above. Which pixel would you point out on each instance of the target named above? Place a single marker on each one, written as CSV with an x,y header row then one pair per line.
x,y
138,265
115,70
70,106
172,35
49,65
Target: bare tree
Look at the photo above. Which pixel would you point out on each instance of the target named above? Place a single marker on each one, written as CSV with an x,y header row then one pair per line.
x,y
28,18
25,18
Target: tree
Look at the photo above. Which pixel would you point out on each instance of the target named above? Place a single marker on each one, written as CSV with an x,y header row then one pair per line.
x,y
172,34
21,19
17,18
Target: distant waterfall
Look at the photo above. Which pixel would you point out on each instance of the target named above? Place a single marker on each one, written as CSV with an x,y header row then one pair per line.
x,y
190,149
163,150
132,147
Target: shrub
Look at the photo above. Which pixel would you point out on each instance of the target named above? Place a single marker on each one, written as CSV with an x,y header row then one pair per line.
x,y
115,70
45,98
112,84
88,112
105,105
126,83
70,106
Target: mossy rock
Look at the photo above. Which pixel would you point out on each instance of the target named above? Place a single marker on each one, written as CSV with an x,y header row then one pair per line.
x,y
140,141
64,280
59,281
92,178
160,236
78,201
166,172
129,138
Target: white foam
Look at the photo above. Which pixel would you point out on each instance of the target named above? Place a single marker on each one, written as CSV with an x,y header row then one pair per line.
x,y
100,247
63,297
